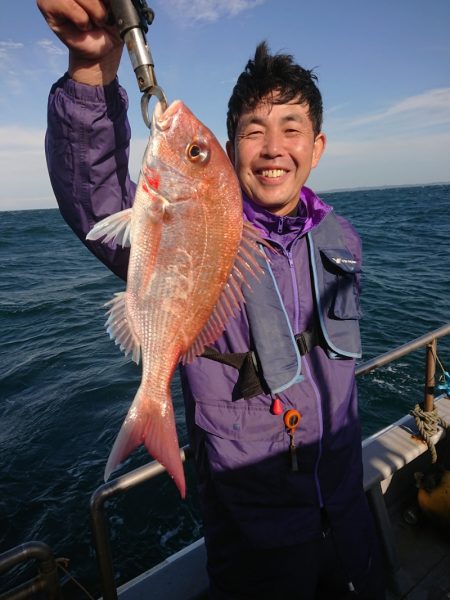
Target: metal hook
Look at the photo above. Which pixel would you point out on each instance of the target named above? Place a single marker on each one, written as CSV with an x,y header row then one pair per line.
x,y
155,90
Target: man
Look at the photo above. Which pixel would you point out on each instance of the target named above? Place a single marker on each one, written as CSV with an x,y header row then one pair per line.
x,y
277,449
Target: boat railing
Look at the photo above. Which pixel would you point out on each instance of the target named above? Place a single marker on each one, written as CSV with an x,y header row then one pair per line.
x,y
45,581
138,476
99,520
430,341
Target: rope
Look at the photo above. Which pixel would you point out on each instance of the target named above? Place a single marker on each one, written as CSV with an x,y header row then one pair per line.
x,y
62,563
438,360
427,423
445,386
445,377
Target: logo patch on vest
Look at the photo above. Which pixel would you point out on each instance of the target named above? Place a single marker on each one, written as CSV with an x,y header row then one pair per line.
x,y
342,258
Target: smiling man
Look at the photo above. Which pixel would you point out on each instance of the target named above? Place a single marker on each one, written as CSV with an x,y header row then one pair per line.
x,y
271,410
284,509
274,149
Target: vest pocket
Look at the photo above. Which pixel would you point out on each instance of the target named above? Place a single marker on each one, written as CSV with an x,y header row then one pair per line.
x,y
239,420
340,277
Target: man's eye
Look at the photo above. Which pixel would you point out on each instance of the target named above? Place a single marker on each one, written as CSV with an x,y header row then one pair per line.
x,y
253,133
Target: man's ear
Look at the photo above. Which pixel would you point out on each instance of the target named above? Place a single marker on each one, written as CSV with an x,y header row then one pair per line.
x,y
230,151
319,148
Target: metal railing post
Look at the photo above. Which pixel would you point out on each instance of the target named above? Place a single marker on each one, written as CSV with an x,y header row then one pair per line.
x,y
100,533
99,519
430,372
47,580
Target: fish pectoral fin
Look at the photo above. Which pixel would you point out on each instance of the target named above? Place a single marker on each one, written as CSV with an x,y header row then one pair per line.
x,y
120,329
115,228
249,265
145,424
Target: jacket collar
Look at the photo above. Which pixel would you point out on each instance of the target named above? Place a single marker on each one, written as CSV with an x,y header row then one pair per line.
x,y
311,211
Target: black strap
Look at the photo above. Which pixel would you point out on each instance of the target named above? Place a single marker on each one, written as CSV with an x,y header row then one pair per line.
x,y
250,382
307,340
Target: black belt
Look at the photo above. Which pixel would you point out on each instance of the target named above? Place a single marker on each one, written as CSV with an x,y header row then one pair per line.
x,y
250,381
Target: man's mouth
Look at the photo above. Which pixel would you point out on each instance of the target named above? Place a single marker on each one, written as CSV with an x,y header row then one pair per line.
x,y
273,173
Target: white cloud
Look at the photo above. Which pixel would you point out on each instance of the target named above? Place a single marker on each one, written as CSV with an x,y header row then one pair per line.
x,y
7,46
19,74
53,54
9,51
51,48
388,161
23,170
209,11
429,109
407,143
137,149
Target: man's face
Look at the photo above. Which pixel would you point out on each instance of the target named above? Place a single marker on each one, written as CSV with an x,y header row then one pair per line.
x,y
273,154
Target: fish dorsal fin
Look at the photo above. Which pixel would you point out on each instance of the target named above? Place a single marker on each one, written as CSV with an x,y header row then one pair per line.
x,y
247,266
120,329
115,228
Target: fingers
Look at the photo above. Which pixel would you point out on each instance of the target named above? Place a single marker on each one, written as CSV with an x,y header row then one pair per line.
x,y
83,15
82,26
95,11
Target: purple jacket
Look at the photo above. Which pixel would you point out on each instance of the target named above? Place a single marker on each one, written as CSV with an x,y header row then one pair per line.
x,y
241,447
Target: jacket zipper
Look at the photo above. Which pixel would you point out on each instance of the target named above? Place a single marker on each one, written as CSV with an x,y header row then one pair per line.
x,y
296,324
288,254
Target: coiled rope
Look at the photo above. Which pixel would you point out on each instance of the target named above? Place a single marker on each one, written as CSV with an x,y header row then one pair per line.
x,y
427,423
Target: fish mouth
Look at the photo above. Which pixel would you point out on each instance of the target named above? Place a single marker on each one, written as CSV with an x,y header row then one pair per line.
x,y
162,119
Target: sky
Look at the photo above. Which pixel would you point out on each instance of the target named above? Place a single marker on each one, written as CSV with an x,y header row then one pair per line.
x,y
383,70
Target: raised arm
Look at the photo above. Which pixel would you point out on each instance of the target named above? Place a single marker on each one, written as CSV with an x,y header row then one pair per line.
x,y
88,134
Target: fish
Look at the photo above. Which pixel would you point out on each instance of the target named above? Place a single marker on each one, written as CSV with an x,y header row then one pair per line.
x,y
191,254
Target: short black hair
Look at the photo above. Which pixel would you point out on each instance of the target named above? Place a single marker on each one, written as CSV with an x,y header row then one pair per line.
x,y
266,74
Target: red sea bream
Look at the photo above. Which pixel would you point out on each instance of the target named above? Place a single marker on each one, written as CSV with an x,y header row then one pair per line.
x,y
189,256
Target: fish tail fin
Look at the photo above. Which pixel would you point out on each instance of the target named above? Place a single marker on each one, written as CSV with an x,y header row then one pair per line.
x,y
144,424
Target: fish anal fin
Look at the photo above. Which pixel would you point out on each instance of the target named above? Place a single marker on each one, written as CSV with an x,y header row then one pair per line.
x,y
120,329
115,228
249,266
145,424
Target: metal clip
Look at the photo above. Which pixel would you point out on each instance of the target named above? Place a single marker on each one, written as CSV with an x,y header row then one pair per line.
x,y
155,90
132,18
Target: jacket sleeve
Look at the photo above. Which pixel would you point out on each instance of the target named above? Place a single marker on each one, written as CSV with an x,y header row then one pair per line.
x,y
87,149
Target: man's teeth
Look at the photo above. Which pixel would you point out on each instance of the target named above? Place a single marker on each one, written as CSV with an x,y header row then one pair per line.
x,y
273,173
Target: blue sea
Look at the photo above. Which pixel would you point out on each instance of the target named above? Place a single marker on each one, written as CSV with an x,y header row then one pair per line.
x,y
65,387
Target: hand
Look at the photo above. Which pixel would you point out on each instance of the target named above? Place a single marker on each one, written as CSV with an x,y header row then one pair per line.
x,y
94,46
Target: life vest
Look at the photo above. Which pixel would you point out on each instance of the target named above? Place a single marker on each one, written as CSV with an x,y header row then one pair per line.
x,y
276,359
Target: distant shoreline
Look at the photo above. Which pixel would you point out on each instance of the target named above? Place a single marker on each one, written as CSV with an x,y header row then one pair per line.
x,y
382,187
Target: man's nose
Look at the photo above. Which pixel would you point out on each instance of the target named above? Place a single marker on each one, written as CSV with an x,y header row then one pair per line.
x,y
273,144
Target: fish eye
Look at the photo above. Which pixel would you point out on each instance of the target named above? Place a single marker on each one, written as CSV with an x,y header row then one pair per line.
x,y
197,152
194,151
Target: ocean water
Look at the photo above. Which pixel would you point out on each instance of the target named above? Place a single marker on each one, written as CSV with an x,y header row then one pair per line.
x,y
65,387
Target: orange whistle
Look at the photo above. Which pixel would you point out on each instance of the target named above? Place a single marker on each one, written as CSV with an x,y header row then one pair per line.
x,y
292,419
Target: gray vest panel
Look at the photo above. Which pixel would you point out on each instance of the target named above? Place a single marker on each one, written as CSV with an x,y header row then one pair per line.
x,y
273,338
333,270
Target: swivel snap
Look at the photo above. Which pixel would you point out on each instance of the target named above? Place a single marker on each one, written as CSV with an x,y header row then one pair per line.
x,y
156,91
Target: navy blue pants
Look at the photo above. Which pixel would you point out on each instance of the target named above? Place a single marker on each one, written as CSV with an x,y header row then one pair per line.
x,y
321,569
